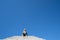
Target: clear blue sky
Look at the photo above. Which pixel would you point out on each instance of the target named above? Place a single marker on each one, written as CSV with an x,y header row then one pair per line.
x,y
40,17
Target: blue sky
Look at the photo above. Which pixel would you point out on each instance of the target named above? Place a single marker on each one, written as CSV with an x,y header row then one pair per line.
x,y
40,17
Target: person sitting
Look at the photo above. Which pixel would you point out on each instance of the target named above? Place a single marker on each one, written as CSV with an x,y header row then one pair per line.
x,y
25,32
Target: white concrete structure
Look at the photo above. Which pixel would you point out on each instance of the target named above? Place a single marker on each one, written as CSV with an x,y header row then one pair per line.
x,y
24,38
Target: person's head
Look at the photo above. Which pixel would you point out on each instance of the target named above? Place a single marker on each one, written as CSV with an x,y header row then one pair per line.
x,y
24,29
